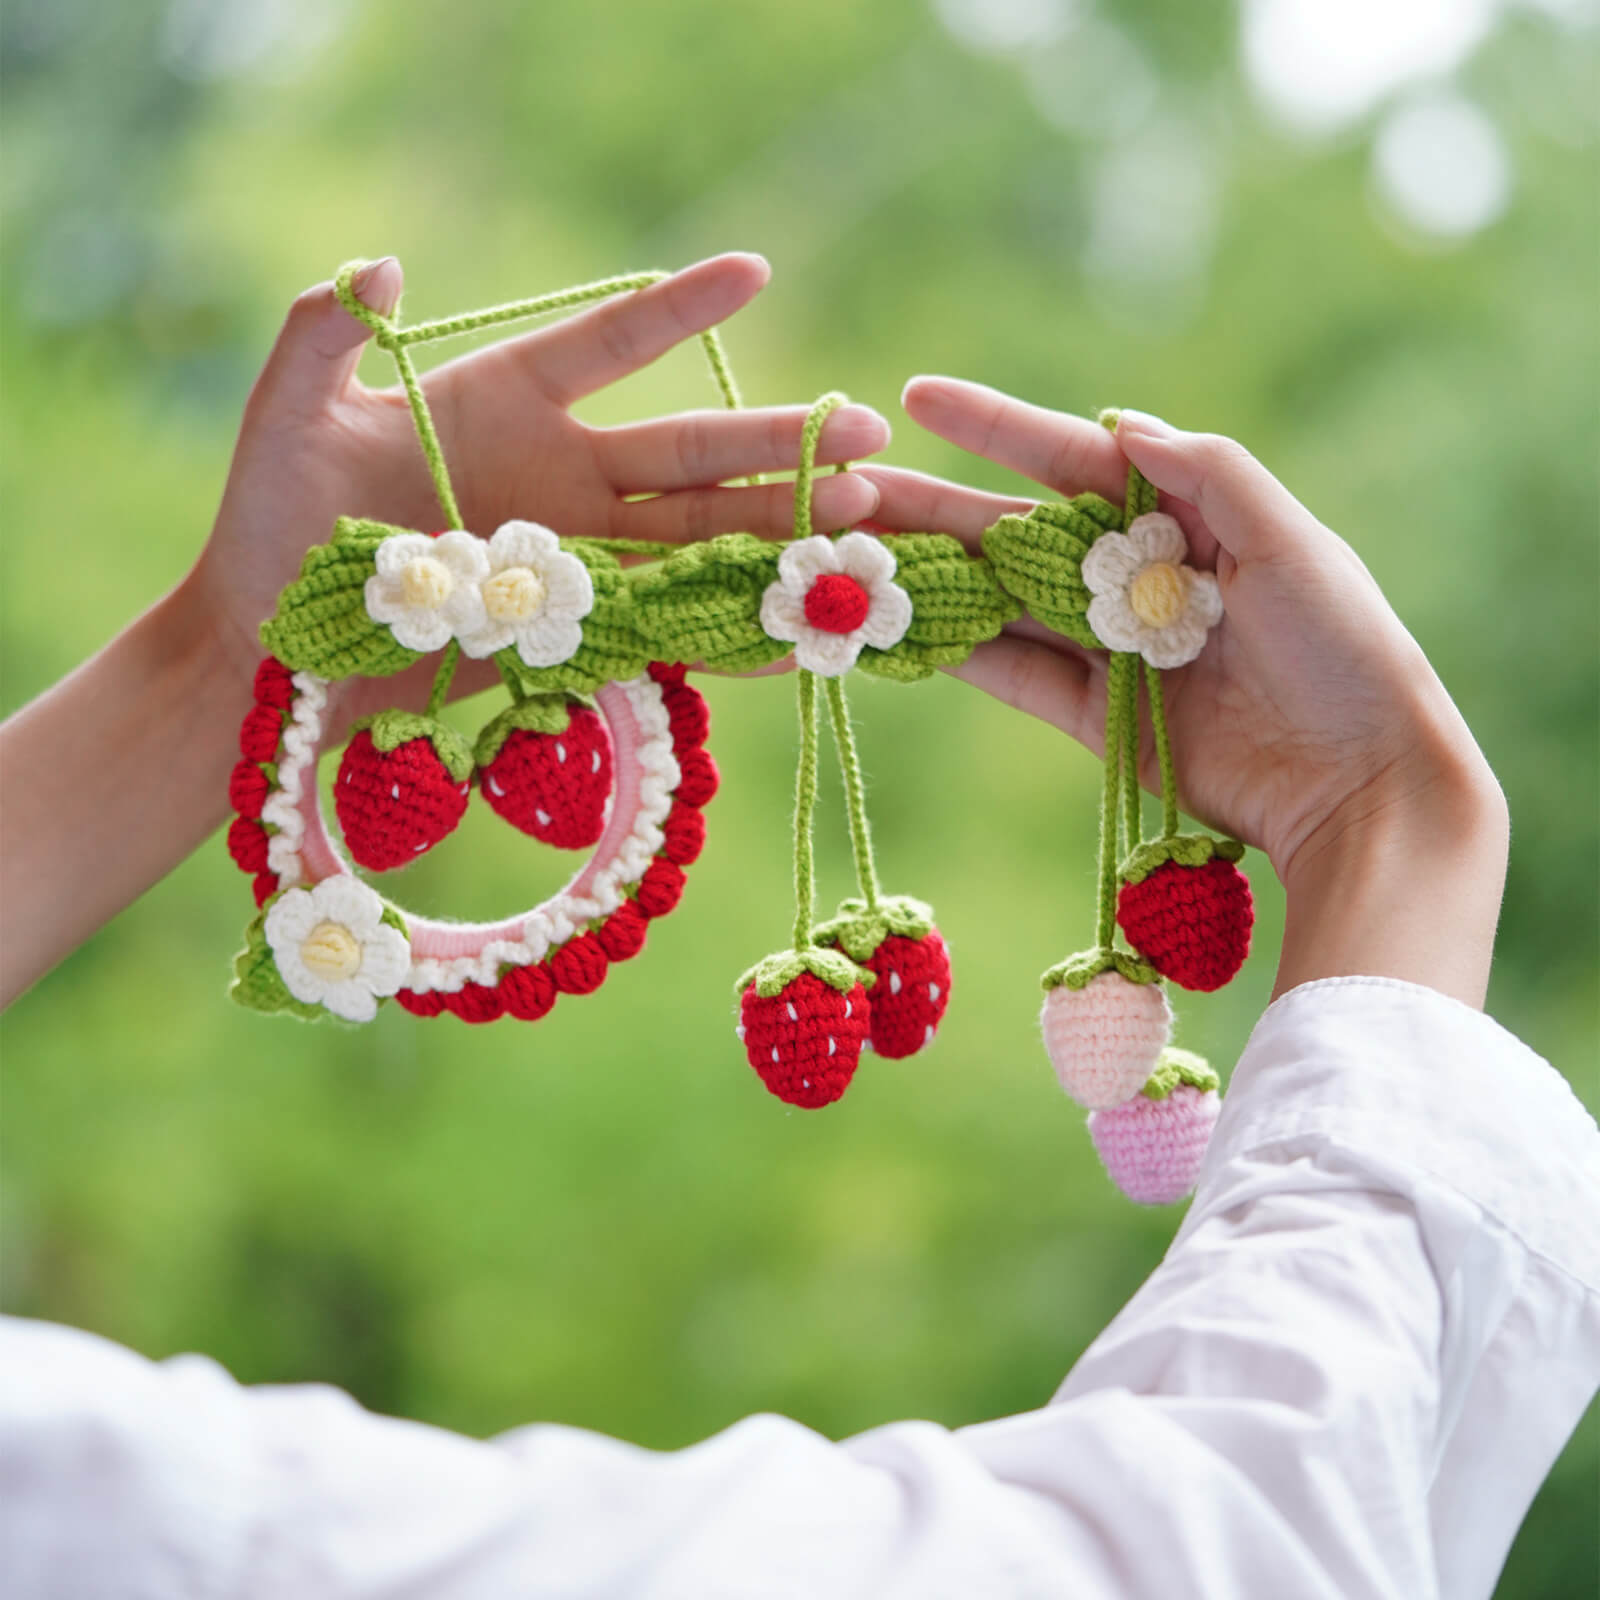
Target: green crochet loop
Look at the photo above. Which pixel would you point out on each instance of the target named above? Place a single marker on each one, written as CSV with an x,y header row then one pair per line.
x,y
391,729
539,713
810,433
1187,849
1175,1066
858,930
1077,971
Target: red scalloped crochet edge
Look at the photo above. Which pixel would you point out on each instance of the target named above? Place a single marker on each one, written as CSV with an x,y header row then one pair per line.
x,y
584,962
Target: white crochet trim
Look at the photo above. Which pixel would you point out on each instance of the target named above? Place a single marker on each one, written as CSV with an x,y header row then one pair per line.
x,y
547,926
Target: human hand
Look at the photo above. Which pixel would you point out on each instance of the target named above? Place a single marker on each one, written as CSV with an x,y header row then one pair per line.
x,y
316,444
1311,725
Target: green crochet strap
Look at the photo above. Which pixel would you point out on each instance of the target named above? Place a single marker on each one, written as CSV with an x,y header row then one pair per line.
x,y
855,794
1131,793
1169,775
1140,497
805,805
806,471
1117,670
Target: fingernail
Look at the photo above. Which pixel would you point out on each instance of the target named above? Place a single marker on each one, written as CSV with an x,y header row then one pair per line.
x,y
842,498
378,284
854,430
1142,422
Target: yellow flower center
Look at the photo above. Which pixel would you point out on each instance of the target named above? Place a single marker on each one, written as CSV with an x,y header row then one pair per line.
x,y
331,952
1156,596
514,595
426,581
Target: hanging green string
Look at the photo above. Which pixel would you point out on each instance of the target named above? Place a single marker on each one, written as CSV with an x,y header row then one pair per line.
x,y
855,794
1131,792
805,805
1116,669
809,435
1169,776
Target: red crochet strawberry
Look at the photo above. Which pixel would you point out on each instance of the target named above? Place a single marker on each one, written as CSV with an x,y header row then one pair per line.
x,y
403,785
803,1017
545,765
898,943
1186,908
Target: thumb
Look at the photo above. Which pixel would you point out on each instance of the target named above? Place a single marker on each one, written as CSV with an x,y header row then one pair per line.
x,y
1252,516
320,343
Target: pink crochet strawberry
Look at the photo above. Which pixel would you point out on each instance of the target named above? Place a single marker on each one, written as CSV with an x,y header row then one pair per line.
x,y
1186,908
402,787
1105,1023
804,1037
898,943
545,765
1153,1144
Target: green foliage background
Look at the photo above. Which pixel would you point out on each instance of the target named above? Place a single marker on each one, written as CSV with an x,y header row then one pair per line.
x,y
603,1219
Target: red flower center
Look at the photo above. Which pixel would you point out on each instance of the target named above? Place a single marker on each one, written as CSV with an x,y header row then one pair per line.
x,y
836,603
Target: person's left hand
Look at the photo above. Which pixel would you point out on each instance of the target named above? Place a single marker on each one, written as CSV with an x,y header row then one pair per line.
x,y
316,444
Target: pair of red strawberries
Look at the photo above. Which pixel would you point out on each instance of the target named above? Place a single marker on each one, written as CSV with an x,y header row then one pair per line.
x,y
395,804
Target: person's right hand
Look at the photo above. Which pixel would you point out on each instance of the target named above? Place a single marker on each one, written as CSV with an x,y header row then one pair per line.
x,y
1311,725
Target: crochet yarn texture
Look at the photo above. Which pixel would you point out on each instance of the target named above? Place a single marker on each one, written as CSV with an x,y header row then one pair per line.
x,y
601,747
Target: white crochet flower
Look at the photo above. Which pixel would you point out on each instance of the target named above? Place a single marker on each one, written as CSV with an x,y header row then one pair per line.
x,y
535,596
334,949
426,590
1145,598
832,597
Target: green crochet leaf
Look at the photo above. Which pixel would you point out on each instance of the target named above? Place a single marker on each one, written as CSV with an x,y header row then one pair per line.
x,y
612,647
1175,1066
703,603
1039,559
956,603
858,931
256,982
772,974
391,729
1187,849
321,624
541,713
1079,970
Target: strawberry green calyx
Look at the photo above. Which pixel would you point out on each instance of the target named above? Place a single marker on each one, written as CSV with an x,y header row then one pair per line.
x,y
770,975
1186,849
1174,1067
858,929
539,713
1079,970
391,729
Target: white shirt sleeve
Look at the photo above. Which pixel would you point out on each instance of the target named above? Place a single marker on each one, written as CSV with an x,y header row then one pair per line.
x,y
1375,1329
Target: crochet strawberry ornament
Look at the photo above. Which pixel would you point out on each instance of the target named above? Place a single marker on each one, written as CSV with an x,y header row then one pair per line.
x,y
600,746
1119,579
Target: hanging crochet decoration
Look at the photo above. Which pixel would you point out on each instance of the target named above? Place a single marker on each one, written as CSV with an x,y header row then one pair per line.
x,y
602,747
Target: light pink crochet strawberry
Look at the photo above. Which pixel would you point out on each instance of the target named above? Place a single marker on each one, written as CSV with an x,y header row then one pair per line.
x,y
1153,1144
1105,1022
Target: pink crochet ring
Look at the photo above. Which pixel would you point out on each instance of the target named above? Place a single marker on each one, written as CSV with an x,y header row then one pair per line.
x,y
479,971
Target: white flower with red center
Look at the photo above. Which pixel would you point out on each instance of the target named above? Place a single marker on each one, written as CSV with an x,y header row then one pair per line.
x,y
1146,599
426,590
833,596
333,948
535,596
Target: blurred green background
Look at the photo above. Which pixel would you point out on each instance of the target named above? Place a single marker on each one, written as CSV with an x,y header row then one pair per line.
x,y
1368,251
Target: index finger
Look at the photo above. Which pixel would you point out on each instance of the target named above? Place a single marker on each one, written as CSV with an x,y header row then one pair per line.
x,y
1065,453
585,352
